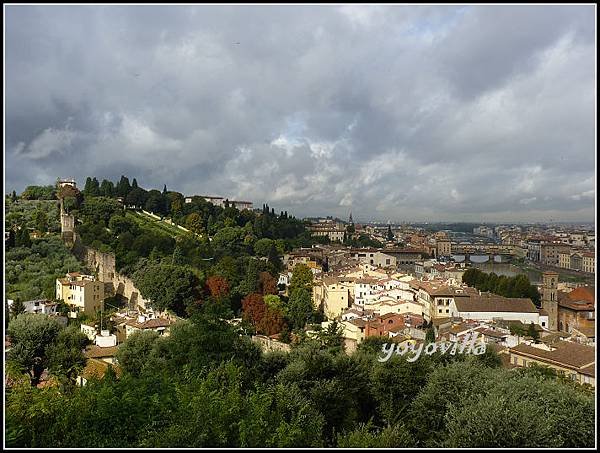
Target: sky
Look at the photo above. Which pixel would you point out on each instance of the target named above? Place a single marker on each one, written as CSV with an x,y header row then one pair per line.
x,y
396,113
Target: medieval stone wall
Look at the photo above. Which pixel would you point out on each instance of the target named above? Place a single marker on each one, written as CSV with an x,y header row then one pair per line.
x,y
103,265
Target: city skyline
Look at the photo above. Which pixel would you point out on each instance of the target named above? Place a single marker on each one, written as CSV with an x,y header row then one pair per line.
x,y
402,113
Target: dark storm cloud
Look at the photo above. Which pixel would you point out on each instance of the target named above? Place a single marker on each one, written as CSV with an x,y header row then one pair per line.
x,y
393,112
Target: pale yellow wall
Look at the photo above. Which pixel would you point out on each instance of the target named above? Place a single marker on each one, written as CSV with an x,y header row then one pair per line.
x,y
87,298
589,264
352,332
336,300
527,361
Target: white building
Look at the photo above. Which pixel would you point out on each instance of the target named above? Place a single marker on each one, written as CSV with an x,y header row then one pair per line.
x,y
40,306
492,308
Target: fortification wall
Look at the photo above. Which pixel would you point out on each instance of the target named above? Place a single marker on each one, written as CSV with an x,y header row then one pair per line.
x,y
104,265
269,345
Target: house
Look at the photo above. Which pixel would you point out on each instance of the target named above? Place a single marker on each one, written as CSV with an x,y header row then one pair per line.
x,y
41,306
334,295
490,307
82,293
107,354
576,309
589,262
381,325
128,326
438,296
374,256
571,359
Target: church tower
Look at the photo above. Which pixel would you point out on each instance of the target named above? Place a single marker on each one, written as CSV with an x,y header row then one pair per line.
x,y
350,221
550,298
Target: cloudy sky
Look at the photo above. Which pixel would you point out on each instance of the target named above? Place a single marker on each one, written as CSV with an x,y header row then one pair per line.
x,y
476,113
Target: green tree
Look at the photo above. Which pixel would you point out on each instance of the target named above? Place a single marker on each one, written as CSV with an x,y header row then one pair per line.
x,y
178,258
430,335
299,308
522,411
366,436
263,246
302,277
22,238
136,197
390,235
155,202
167,286
134,354
532,332
194,223
11,241
41,220
31,335
14,196
123,187
17,308
107,188
65,356
332,337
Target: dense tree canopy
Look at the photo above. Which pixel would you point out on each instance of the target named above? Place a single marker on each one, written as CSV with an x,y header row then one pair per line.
x,y
167,286
518,286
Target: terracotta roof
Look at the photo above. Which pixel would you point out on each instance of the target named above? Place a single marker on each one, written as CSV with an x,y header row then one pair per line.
x,y
358,322
589,370
495,304
582,293
390,315
150,323
97,368
367,280
588,331
493,333
95,351
565,353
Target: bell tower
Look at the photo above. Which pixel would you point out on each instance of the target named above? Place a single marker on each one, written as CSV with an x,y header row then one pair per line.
x,y
549,298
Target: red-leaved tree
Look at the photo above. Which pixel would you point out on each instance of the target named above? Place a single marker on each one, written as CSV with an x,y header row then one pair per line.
x,y
217,286
254,308
267,284
272,322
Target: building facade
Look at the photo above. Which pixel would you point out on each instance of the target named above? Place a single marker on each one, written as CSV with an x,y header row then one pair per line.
x,y
82,293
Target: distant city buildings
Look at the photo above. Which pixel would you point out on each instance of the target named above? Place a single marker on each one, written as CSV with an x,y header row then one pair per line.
x,y
335,231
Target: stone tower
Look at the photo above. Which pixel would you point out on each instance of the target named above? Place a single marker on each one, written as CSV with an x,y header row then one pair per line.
x,y
66,188
550,298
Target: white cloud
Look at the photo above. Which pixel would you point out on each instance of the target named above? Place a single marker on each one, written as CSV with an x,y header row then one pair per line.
x,y
49,141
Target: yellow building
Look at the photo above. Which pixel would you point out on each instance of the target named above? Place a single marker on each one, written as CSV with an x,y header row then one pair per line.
x,y
333,295
589,262
83,293
574,360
